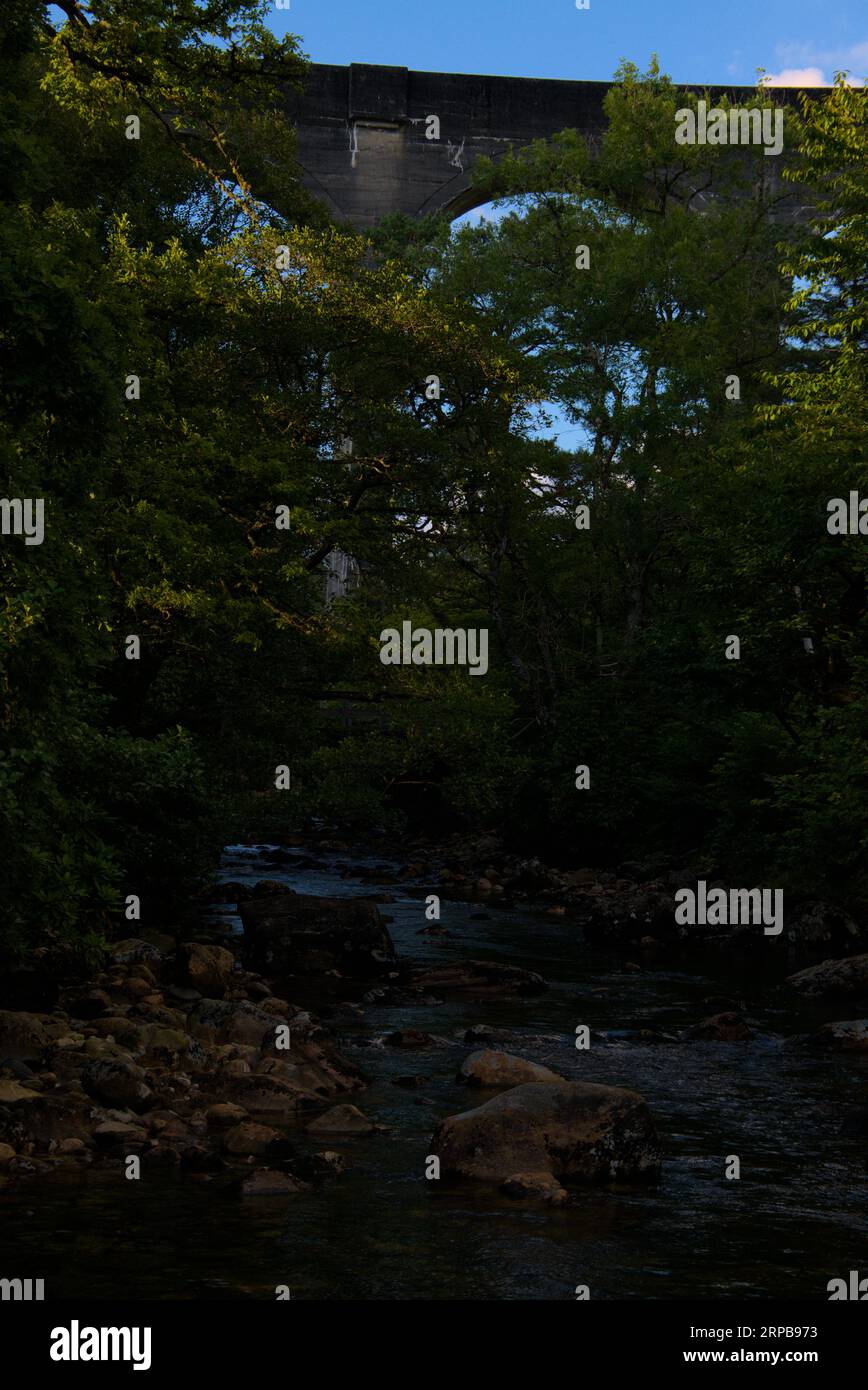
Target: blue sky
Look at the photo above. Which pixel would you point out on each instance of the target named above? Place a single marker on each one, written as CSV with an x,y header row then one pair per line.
x,y
799,42
719,42
714,41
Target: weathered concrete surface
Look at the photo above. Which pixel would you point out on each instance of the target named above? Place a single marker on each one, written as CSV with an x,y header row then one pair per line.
x,y
362,134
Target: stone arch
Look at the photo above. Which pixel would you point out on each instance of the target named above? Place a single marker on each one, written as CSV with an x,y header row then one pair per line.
x,y
363,148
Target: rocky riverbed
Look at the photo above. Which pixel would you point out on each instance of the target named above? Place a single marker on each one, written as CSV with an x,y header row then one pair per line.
x,y
290,1083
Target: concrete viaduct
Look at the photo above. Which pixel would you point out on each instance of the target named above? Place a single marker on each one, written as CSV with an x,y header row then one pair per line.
x,y
363,146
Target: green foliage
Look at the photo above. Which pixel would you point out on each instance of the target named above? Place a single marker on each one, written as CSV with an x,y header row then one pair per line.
x,y
158,259
826,390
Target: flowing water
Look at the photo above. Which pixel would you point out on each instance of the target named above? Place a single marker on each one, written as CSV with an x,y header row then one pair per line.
x,y
797,1217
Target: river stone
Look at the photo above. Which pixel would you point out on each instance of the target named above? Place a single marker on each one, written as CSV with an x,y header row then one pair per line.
x,y
485,1033
264,1095
197,1158
279,1007
851,1036
160,1014
134,951
627,915
725,1027
168,1045
125,1031
536,1187
266,1183
408,1037
250,1138
267,886
230,892
490,1068
44,1120
315,1068
72,1146
89,1004
841,979
479,978
17,1071
116,1082
114,1132
22,1037
224,1115
233,1021
104,1047
294,934
571,1129
821,924
341,1119
208,969
327,1161
11,1091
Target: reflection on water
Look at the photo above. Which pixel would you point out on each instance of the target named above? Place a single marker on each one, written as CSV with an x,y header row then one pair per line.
x,y
797,1217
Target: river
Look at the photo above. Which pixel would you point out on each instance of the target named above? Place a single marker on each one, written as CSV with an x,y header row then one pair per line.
x,y
797,1217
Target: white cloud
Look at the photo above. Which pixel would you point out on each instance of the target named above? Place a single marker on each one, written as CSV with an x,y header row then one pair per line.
x,y
797,77
808,65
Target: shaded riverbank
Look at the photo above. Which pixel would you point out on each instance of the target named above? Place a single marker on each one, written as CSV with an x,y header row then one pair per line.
x,y
795,1219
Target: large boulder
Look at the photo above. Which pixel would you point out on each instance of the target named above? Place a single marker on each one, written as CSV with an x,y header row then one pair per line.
x,y
572,1129
233,1021
117,1134
45,1121
224,1115
205,968
838,979
498,1069
851,1036
480,978
293,934
11,1091
627,915
167,1045
132,951
248,1138
116,1082
820,924
22,1037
